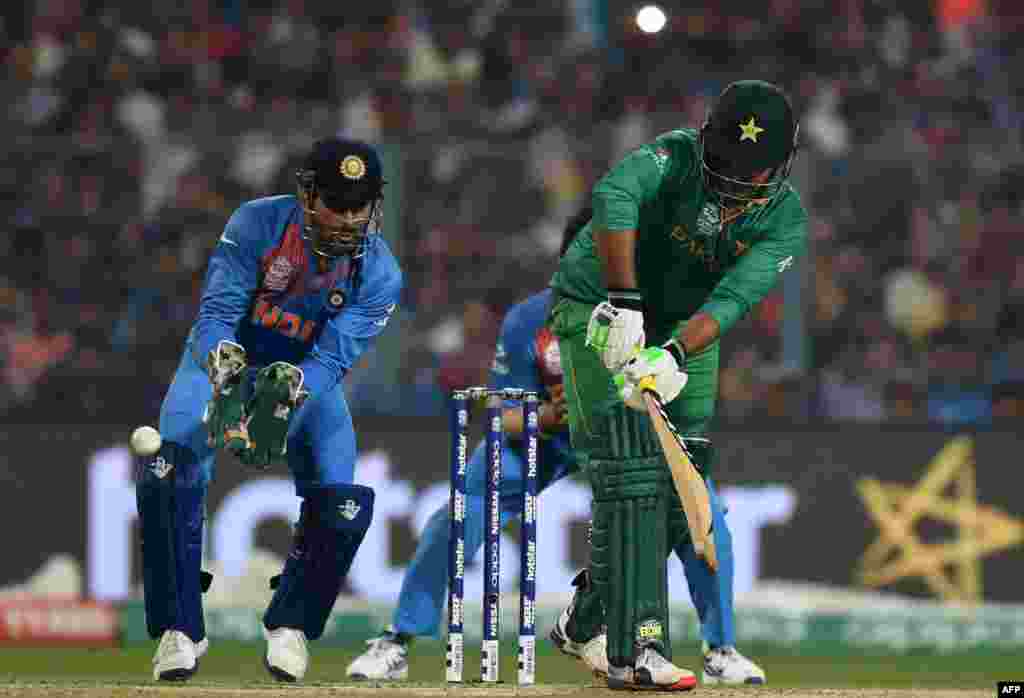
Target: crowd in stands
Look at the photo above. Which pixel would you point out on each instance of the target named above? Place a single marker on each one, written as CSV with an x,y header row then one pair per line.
x,y
134,129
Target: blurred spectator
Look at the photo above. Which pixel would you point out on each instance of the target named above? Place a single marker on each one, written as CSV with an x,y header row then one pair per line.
x,y
1008,400
134,130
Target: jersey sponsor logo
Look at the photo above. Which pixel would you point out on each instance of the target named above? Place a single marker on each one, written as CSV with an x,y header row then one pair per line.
x,y
291,325
784,264
694,246
278,275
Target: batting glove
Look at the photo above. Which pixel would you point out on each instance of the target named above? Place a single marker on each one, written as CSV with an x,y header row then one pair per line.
x,y
616,328
664,364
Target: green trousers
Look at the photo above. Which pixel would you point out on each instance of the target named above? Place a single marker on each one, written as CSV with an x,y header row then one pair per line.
x,y
637,516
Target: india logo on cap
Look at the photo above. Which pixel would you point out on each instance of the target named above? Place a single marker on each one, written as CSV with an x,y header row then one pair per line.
x,y
352,167
749,131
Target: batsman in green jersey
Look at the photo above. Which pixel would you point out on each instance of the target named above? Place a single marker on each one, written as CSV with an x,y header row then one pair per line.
x,y
689,233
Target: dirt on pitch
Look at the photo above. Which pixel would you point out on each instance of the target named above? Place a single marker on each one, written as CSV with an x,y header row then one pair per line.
x,y
425,691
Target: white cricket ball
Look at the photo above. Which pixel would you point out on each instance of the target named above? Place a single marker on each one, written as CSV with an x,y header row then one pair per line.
x,y
145,441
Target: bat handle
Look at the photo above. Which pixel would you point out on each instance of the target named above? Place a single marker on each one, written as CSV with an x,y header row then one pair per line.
x,y
648,383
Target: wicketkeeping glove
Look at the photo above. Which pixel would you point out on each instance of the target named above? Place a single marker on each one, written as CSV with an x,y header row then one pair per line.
x,y
616,328
663,365
277,394
225,412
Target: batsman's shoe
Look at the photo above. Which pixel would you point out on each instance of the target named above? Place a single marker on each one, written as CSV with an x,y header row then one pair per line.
x,y
653,672
593,652
177,657
287,656
386,659
725,665
620,678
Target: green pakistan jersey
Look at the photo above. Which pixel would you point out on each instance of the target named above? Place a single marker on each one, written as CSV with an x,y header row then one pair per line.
x,y
686,260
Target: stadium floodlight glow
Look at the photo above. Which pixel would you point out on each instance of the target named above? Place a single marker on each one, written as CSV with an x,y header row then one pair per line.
x,y
651,19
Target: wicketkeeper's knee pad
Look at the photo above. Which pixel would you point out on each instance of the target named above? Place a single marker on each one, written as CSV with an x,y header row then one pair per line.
x,y
170,496
332,524
629,548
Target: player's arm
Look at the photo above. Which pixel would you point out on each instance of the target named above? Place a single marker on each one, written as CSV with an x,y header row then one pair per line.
x,y
617,199
552,415
515,366
616,326
349,333
232,276
746,284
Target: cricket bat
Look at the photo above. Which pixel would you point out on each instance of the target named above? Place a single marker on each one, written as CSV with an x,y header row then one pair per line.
x,y
690,485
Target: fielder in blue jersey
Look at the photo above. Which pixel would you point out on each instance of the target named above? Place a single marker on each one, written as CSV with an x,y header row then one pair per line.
x,y
296,290
527,357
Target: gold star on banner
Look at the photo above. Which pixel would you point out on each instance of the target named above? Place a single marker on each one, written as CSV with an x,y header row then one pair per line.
x,y
749,131
951,569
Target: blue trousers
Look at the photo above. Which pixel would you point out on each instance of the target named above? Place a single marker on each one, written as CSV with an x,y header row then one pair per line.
x,y
424,587
171,489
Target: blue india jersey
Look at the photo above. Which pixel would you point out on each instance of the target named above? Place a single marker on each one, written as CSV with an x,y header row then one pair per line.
x,y
527,357
266,291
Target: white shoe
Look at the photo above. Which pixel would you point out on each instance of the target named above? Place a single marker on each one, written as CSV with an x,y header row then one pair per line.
x,y
287,657
725,665
177,657
593,652
653,672
385,659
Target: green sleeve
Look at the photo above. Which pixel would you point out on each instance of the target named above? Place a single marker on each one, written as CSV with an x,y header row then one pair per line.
x,y
630,184
756,272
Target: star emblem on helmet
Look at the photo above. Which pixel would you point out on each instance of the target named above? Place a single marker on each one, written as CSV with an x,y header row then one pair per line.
x,y
749,131
352,167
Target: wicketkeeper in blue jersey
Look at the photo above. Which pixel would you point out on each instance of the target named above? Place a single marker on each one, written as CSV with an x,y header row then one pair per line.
x,y
296,290
527,357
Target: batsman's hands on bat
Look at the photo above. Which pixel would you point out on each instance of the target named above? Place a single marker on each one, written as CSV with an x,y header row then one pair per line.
x,y
658,363
225,412
553,414
277,395
616,328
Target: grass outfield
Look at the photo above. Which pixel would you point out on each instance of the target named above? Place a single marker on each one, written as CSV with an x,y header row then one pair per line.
x,y
235,664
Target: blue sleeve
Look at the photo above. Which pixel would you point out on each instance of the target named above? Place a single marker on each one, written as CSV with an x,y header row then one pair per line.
x,y
231,278
515,361
347,335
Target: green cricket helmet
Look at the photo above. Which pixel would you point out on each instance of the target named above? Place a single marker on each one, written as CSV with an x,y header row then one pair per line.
x,y
346,176
750,129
